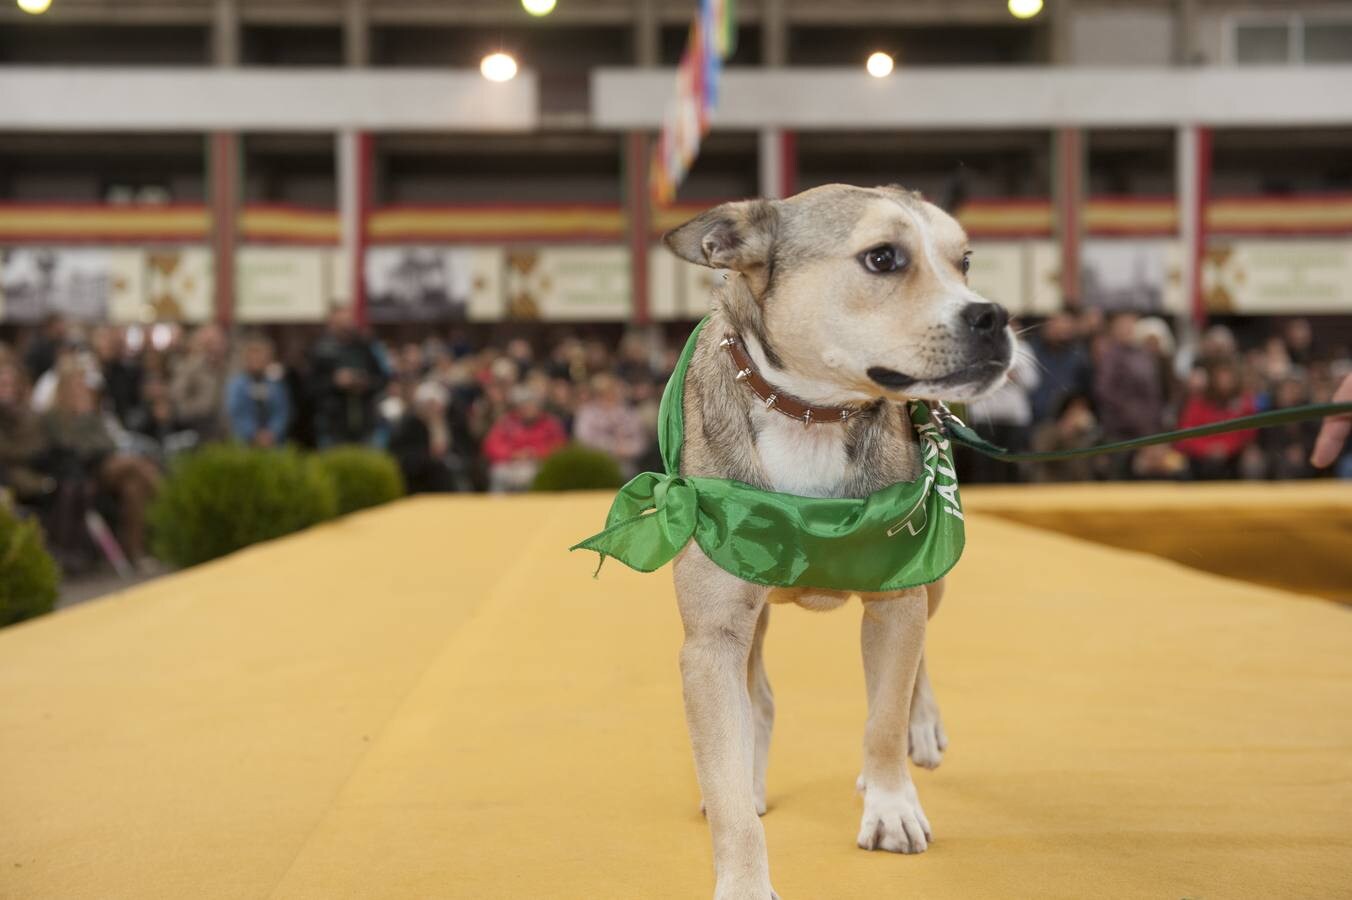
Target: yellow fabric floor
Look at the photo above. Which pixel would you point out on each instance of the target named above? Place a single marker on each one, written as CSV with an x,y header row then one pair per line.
x,y
434,700
1296,536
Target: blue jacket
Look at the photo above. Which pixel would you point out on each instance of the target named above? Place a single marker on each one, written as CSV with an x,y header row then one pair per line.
x,y
256,404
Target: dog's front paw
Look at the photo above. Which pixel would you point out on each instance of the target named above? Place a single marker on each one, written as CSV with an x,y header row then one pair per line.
x,y
894,821
928,740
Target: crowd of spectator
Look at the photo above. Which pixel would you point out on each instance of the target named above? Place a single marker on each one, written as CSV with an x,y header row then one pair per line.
x,y
1086,378
90,417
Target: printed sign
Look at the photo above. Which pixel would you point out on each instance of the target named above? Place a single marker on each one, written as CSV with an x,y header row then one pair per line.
x,y
82,283
567,283
280,284
1278,276
1135,274
430,284
179,283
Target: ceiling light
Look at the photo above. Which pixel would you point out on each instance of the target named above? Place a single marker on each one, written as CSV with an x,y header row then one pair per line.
x,y
879,65
498,67
1025,9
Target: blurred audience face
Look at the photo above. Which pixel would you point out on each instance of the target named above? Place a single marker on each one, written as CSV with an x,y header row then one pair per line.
x,y
607,390
633,348
257,356
503,371
1218,343
342,323
1090,321
526,403
209,341
519,349
107,343
1058,330
55,328
411,358
561,393
1291,392
73,394
430,401
1077,415
1298,334
1122,328
1222,382
11,386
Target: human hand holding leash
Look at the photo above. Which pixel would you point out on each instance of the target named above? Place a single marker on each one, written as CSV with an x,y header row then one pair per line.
x,y
1336,429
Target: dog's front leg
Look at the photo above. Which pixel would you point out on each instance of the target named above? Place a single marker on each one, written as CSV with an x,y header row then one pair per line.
x,y
928,738
892,638
719,613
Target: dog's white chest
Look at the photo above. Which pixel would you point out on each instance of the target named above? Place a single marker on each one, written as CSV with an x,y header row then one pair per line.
x,y
806,460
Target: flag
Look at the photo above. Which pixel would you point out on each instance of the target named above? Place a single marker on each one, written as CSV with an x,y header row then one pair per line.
x,y
685,121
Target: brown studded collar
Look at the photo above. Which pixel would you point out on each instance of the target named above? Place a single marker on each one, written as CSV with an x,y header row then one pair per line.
x,y
780,402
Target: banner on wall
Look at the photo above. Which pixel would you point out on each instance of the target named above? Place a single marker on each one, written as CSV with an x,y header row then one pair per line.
x,y
1140,275
179,283
281,284
1278,276
87,284
432,284
567,283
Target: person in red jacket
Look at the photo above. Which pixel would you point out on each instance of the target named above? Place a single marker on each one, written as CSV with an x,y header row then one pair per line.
x,y
519,440
1216,456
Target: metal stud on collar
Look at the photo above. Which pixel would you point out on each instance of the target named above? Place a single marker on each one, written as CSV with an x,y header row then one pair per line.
x,y
744,374
770,401
807,419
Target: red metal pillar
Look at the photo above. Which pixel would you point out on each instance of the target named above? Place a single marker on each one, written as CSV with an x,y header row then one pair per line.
x,y
363,153
1069,180
1201,165
224,170
639,220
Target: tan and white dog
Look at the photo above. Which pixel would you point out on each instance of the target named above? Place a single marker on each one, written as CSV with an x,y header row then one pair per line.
x,y
845,297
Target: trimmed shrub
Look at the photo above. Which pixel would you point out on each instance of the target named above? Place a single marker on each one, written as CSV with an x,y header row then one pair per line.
x,y
578,468
28,574
362,477
225,497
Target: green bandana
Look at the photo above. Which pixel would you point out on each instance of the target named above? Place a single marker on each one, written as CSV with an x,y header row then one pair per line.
x,y
905,535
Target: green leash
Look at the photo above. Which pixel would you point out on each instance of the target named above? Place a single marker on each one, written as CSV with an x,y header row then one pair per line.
x,y
960,433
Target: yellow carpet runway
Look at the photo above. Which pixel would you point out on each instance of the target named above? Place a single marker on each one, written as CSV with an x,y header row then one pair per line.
x,y
435,700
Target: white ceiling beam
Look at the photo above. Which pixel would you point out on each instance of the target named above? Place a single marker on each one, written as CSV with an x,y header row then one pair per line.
x,y
201,99
990,97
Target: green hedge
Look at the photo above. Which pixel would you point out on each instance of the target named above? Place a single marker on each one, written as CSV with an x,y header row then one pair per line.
x,y
224,497
362,477
28,574
578,468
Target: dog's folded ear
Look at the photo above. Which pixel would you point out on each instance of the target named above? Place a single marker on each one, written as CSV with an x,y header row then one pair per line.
x,y
736,235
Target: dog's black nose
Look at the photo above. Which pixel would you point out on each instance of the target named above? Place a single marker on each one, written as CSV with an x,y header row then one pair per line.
x,y
986,319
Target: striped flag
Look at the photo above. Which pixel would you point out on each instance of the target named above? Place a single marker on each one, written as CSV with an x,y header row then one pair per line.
x,y
712,38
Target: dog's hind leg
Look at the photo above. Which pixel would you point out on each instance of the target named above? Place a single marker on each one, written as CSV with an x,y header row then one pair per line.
x,y
762,706
892,638
720,614
927,737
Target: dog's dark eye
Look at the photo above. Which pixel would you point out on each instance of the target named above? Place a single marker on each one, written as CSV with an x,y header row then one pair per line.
x,y
966,264
884,258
